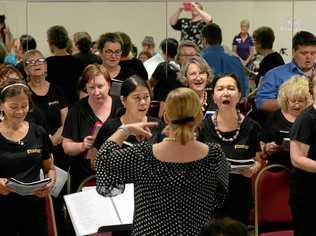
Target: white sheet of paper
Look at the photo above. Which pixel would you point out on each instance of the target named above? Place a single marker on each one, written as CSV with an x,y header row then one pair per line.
x,y
125,204
89,211
61,179
151,64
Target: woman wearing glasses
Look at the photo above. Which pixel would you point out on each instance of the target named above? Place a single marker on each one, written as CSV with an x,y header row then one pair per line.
x,y
197,75
49,99
293,98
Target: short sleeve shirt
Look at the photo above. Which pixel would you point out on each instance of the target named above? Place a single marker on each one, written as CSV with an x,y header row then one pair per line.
x,y
22,160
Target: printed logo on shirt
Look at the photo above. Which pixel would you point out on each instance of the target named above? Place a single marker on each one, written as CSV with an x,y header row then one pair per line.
x,y
53,103
241,146
238,40
33,151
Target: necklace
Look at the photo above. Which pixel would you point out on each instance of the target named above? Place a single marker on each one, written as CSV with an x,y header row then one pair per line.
x,y
218,131
204,101
169,139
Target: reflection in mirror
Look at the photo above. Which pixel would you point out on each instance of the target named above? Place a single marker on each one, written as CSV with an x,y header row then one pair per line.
x,y
13,23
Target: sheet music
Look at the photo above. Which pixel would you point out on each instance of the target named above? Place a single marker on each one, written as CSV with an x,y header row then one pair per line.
x,y
25,189
125,204
89,211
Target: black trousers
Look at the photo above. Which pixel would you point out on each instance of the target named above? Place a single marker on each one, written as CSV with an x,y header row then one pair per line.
x,y
304,216
22,214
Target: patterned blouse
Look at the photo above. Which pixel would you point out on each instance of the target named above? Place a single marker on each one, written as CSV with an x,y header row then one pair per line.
x,y
170,198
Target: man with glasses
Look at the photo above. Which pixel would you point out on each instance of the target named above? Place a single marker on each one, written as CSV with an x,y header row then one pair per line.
x,y
303,63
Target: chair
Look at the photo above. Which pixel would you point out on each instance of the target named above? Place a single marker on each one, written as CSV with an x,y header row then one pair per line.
x,y
52,229
87,182
272,211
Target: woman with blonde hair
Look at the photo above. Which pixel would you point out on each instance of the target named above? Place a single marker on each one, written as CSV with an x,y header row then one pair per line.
x,y
293,98
179,182
197,75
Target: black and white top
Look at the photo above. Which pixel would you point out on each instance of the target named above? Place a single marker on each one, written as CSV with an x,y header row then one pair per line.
x,y
190,30
170,198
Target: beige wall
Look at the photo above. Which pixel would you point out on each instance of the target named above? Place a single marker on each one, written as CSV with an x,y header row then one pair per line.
x,y
151,18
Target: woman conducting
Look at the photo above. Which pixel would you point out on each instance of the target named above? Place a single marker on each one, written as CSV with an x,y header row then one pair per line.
x,y
238,137
178,182
25,148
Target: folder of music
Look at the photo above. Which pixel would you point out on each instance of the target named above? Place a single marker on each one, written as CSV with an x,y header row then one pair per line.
x,y
90,211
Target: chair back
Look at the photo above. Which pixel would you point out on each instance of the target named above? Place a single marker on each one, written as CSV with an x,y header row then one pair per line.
x,y
52,229
87,182
272,211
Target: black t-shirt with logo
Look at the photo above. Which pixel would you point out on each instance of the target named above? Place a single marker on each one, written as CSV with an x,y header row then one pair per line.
x,y
304,131
22,160
50,105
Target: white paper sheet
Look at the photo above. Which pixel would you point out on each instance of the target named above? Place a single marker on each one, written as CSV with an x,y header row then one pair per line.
x,y
89,211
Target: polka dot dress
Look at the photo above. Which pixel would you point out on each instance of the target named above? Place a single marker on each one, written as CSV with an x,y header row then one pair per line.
x,y
170,198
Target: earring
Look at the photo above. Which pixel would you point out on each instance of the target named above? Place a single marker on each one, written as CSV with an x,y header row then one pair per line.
x,y
1,115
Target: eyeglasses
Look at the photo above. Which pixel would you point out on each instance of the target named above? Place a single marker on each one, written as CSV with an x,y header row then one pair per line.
x,y
194,75
38,61
116,53
187,55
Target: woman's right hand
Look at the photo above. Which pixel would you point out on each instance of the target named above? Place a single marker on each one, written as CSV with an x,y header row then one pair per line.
x,y
4,188
87,142
141,129
271,148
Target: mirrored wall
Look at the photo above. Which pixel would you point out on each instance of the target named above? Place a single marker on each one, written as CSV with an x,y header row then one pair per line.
x,y
141,18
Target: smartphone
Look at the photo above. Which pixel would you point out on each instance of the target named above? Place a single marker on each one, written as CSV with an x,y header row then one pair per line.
x,y
280,136
187,6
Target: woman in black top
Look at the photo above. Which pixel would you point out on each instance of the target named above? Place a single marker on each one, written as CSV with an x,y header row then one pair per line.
x,y
135,97
303,176
63,69
25,148
293,98
178,182
238,137
79,133
49,99
197,75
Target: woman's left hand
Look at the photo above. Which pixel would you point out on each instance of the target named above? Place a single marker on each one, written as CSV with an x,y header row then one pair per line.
x,y
249,172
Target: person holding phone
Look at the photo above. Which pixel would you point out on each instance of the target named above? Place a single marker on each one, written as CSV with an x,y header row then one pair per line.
x,y
25,149
293,98
80,125
190,28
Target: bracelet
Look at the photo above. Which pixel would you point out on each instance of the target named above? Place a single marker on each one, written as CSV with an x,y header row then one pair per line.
x,y
125,129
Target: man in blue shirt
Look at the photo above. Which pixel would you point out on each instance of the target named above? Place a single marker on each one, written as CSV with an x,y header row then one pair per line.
x,y
220,61
303,63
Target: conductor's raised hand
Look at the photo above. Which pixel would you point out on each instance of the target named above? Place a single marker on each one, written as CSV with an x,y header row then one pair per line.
x,y
141,129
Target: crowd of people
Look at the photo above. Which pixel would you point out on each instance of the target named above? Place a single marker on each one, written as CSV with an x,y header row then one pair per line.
x,y
90,113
